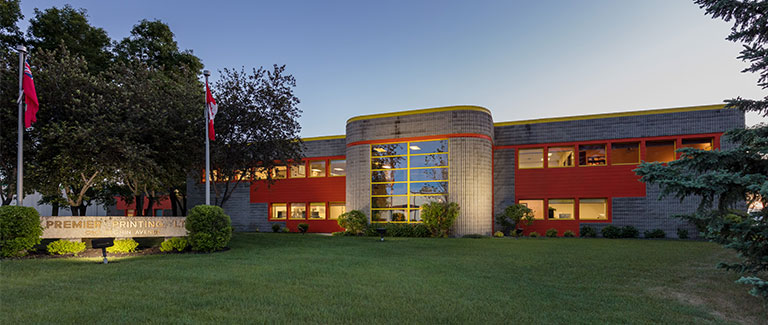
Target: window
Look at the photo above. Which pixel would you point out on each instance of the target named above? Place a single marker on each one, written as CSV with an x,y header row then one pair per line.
x,y
279,211
560,157
279,172
530,158
536,205
317,168
130,212
625,153
661,151
299,171
338,167
158,212
561,209
592,155
592,209
298,211
317,210
336,209
701,144
405,176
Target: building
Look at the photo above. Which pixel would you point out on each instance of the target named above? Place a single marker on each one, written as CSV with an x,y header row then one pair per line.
x,y
571,171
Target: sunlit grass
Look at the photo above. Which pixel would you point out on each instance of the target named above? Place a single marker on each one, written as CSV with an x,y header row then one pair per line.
x,y
321,279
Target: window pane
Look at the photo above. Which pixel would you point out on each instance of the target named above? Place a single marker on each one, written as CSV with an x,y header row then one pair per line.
x,y
336,209
389,162
278,211
433,160
389,202
428,146
431,174
317,210
387,215
298,211
563,209
661,151
279,172
389,189
625,153
389,176
429,188
701,144
592,209
536,205
418,200
298,171
530,158
560,157
130,213
338,167
415,215
317,168
391,149
592,155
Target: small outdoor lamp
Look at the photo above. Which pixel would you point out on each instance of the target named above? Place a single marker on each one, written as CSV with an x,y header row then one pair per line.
x,y
382,232
103,243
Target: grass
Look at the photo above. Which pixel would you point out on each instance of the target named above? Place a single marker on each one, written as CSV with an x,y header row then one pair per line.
x,y
321,279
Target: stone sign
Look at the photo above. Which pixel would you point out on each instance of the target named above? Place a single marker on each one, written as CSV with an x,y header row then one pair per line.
x,y
96,227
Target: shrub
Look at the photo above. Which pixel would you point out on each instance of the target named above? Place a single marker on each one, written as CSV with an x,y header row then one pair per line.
x,y
439,217
285,230
353,221
629,232
62,247
552,232
276,227
498,234
338,233
123,246
533,234
656,233
611,231
682,233
403,230
514,216
210,229
569,233
587,231
303,227
176,243
19,230
476,236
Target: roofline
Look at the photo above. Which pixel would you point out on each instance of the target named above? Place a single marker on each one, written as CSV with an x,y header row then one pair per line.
x,y
329,137
609,115
421,111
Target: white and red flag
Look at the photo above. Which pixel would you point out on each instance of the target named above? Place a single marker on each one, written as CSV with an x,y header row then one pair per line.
x,y
30,96
210,103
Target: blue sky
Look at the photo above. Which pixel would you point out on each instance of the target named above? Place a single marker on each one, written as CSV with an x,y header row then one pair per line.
x,y
520,59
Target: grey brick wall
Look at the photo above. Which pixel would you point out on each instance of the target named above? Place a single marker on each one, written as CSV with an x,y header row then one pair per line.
x,y
325,148
503,180
426,124
469,185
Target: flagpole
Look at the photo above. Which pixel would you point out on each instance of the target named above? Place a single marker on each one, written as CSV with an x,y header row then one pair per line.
x,y
207,73
20,155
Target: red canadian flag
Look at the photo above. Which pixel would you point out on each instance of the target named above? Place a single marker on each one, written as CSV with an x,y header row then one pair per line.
x,y
210,103
30,96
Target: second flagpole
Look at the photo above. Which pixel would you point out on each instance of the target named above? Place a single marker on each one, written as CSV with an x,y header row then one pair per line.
x,y
208,177
20,154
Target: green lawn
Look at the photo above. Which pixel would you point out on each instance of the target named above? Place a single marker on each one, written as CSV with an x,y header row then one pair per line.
x,y
321,279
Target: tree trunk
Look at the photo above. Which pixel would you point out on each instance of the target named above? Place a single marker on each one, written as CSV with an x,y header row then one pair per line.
x,y
150,206
174,201
83,209
183,204
139,205
75,210
55,209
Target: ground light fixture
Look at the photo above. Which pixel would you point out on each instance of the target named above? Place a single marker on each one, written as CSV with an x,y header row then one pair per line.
x,y
103,243
382,232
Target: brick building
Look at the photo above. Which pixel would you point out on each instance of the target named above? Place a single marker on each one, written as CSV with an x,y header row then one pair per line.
x,y
571,171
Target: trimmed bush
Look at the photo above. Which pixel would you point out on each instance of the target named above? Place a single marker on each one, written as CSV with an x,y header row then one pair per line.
x,y
513,217
285,230
210,229
439,217
19,230
276,227
656,233
63,247
551,232
611,231
682,233
400,230
629,232
587,232
338,233
303,227
569,233
533,234
498,234
353,221
474,236
178,244
123,246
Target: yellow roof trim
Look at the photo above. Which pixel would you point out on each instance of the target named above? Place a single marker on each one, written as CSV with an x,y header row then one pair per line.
x,y
421,111
609,115
329,137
